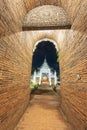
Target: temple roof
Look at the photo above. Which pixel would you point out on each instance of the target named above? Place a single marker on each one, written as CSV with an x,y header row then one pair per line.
x,y
45,65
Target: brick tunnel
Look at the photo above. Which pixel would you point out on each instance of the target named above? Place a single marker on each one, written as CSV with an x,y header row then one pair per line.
x,y
23,23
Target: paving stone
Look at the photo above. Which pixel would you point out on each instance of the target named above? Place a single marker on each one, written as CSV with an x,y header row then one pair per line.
x,y
43,113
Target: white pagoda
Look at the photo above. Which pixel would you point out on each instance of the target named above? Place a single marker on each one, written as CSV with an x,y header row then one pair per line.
x,y
44,72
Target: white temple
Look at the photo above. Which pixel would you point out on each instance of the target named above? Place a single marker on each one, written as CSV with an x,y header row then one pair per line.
x,y
44,75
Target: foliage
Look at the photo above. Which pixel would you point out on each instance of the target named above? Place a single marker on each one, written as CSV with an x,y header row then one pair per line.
x,y
33,86
58,57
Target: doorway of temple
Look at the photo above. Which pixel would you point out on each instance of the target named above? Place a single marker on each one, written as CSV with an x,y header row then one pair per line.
x,y
45,64
45,78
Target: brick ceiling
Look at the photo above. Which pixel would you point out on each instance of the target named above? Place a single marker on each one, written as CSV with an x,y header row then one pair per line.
x,y
30,4
70,6
12,13
46,16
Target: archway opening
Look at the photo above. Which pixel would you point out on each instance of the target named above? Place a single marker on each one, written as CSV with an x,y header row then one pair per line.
x,y
45,64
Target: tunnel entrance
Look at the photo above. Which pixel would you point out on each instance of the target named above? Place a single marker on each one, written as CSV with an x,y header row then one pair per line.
x,y
45,64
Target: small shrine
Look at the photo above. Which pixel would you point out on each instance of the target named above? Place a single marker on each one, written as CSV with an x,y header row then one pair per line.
x,y
44,75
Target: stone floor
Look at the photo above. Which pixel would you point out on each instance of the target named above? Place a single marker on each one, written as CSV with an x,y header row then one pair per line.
x,y
43,113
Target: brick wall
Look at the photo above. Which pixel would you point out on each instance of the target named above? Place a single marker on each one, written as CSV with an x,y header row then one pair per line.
x,y
15,69
11,16
74,89
73,63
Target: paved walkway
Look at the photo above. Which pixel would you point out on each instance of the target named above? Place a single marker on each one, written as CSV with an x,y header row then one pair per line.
x,y
43,113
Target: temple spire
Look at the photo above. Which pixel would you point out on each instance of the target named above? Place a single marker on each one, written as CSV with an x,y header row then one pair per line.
x,y
45,64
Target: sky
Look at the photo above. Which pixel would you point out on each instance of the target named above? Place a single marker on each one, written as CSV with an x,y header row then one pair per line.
x,y
45,49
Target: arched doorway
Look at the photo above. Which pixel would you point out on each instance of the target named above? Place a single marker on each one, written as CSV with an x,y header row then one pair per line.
x,y
45,63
